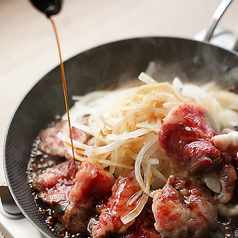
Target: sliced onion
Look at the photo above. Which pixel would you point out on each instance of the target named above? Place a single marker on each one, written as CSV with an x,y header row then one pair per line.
x,y
139,159
146,78
82,127
125,124
76,144
152,126
158,174
136,211
228,210
108,148
177,87
212,180
128,135
134,197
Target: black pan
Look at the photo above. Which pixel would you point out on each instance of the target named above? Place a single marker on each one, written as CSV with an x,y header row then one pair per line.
x,y
99,68
103,67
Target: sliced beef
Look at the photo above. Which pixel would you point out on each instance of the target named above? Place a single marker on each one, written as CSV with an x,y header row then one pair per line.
x,y
118,206
50,177
199,156
185,124
187,136
58,193
184,208
51,144
92,185
54,184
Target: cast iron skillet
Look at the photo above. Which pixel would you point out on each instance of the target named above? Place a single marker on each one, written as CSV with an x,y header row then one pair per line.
x,y
102,67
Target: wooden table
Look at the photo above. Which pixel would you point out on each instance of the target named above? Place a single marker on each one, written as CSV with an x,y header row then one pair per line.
x,y
28,48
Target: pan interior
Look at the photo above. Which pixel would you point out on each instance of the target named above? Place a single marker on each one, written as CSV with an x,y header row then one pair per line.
x,y
105,66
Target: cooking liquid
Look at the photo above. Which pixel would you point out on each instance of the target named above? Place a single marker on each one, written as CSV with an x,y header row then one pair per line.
x,y
64,86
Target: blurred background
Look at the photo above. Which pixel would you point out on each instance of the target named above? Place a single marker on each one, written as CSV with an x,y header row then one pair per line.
x,y
28,47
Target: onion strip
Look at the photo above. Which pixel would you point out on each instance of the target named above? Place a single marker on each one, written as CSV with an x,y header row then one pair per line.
x,y
82,127
128,135
145,78
136,211
107,148
139,159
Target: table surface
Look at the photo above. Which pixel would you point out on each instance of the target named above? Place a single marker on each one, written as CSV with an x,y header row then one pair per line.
x,y
28,48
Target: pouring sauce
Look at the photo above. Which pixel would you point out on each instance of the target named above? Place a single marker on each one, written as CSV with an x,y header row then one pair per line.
x,y
64,86
38,163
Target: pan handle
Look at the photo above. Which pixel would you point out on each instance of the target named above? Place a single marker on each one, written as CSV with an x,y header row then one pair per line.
x,y
215,19
8,207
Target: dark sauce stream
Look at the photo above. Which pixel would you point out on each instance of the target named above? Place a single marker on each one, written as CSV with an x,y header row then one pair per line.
x,y
64,86
40,161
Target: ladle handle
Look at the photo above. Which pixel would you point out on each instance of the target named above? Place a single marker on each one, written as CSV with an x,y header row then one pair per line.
x,y
215,19
49,7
